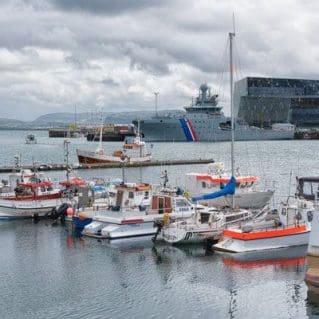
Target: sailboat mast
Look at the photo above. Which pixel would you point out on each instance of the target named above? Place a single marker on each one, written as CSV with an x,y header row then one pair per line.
x,y
101,132
231,35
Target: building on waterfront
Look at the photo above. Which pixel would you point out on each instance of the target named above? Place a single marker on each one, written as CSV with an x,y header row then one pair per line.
x,y
263,101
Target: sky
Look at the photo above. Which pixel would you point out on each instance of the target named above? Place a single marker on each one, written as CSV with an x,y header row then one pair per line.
x,y
113,55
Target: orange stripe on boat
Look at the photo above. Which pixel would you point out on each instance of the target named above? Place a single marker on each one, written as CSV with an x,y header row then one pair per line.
x,y
263,263
265,233
225,180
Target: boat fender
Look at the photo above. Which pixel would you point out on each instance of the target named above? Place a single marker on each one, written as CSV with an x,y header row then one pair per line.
x,y
166,218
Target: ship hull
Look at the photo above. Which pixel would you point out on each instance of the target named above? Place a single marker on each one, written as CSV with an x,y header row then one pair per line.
x,y
205,128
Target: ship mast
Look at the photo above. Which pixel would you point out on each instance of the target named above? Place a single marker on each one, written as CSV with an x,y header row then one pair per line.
x,y
231,36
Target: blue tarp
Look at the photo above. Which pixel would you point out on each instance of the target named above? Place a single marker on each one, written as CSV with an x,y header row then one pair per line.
x,y
229,189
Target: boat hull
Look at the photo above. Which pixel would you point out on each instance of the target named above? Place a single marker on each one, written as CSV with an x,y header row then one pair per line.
x,y
206,128
252,200
180,236
88,157
237,245
27,209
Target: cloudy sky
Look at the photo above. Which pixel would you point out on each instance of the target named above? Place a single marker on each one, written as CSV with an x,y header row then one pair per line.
x,y
115,53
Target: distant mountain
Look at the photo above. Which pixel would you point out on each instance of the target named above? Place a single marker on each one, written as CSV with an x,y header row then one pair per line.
x,y
59,119
13,124
55,120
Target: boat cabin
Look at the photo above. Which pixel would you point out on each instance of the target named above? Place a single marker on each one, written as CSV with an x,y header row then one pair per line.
x,y
206,183
308,188
165,203
296,214
207,217
131,195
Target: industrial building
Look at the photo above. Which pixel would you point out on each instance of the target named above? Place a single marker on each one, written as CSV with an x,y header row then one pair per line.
x,y
263,101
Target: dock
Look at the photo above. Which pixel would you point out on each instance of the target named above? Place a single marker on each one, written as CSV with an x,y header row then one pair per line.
x,y
62,167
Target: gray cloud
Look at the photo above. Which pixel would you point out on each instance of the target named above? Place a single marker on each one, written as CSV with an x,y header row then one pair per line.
x,y
114,54
108,7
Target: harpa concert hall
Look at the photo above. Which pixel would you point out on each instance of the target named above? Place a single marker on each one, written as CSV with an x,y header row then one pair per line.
x,y
264,101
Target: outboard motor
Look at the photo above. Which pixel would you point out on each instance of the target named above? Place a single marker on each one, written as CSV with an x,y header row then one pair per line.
x,y
60,212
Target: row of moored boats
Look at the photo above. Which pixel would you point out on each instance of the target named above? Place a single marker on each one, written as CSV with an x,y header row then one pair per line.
x,y
215,208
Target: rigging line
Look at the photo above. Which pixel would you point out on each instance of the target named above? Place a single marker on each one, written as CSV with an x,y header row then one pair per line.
x,y
224,63
238,70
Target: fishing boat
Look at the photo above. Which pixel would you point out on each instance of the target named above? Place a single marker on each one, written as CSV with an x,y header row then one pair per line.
x,y
245,196
291,227
134,151
30,139
30,194
140,222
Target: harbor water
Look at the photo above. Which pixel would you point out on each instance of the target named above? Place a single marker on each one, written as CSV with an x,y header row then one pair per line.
x,y
48,271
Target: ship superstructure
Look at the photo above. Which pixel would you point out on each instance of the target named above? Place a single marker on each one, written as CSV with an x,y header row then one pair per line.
x,y
204,121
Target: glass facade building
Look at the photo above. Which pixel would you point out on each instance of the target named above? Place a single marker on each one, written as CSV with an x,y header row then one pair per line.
x,y
264,101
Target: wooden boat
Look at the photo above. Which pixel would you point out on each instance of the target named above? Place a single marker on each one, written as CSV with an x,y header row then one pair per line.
x,y
133,151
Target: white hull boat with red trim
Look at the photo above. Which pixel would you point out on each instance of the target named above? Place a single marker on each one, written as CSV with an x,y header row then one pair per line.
x,y
246,196
132,152
29,194
135,223
291,227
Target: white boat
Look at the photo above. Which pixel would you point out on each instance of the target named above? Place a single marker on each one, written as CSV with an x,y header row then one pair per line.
x,y
30,139
134,222
207,225
28,194
134,151
202,226
245,196
290,228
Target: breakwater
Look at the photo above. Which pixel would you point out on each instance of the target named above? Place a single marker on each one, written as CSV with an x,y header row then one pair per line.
x,y
61,167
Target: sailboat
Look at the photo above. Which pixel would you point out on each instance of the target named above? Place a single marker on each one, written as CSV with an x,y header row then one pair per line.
x,y
134,151
201,183
208,228
290,227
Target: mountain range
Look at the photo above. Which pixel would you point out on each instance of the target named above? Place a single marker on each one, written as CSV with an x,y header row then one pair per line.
x,y
61,120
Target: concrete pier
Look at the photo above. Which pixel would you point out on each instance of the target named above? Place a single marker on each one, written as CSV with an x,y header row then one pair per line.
x,y
312,275
61,167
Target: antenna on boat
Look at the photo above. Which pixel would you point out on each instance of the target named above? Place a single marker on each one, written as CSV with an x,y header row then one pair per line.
x,y
101,133
17,161
66,144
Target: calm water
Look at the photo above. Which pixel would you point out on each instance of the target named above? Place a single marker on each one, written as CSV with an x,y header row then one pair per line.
x,y
46,272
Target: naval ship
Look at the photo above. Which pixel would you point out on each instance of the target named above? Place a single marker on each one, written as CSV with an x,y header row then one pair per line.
x,y
204,121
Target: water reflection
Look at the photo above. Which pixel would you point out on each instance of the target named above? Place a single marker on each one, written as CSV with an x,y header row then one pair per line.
x,y
294,258
312,281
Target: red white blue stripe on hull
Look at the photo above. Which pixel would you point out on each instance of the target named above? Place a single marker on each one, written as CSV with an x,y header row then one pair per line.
x,y
188,129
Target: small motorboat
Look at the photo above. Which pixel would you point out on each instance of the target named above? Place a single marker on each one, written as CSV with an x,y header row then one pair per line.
x,y
290,227
30,139
137,222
